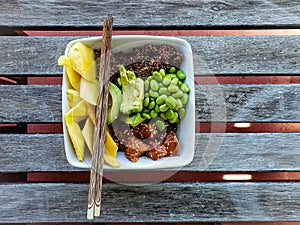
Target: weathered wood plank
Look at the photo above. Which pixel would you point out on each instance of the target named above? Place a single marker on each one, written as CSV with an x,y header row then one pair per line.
x,y
272,55
197,202
213,152
150,14
225,103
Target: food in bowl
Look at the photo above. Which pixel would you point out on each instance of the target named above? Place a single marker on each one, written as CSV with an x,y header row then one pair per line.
x,y
148,96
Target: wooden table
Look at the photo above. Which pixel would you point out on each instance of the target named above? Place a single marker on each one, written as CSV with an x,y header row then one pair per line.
x,y
252,65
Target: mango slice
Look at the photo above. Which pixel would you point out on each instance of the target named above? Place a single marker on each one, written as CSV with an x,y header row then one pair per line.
x,y
78,112
91,111
111,147
73,97
89,91
76,136
88,134
83,61
73,76
111,161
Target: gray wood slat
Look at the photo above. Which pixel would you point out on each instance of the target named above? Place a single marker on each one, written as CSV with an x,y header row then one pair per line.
x,y
221,55
196,202
149,14
222,103
213,152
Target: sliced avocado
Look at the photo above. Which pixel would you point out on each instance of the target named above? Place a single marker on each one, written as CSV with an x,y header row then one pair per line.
x,y
115,101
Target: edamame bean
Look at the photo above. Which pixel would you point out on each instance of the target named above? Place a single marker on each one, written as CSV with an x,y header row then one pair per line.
x,y
153,94
166,81
171,102
161,99
151,105
153,113
171,75
180,75
178,94
149,78
185,88
178,104
146,102
185,98
154,85
157,76
173,88
146,85
156,108
174,81
162,72
160,85
181,113
163,116
163,90
179,83
170,114
160,125
172,70
175,117
146,116
147,95
163,107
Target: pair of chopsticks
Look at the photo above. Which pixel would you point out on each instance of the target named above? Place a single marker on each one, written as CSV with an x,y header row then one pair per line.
x,y
95,188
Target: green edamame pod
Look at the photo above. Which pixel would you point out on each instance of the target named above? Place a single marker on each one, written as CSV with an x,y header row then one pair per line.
x,y
153,94
153,113
163,90
173,88
175,117
162,72
160,125
171,102
172,70
185,98
154,85
163,107
185,88
146,116
178,94
163,116
181,113
146,102
151,105
174,81
157,76
161,99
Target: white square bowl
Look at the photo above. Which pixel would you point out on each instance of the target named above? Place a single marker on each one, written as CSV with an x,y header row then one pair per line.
x,y
186,128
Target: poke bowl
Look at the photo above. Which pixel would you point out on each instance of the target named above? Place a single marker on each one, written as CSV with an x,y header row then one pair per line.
x,y
140,134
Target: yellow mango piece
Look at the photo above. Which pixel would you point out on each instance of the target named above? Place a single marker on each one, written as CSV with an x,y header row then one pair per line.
x,y
76,136
88,134
89,91
83,61
73,97
78,112
91,112
73,76
111,147
111,161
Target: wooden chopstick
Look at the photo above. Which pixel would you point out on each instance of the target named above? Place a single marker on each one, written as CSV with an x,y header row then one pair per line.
x,y
94,197
103,119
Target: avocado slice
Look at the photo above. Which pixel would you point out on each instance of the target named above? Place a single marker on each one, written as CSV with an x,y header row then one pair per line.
x,y
114,102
